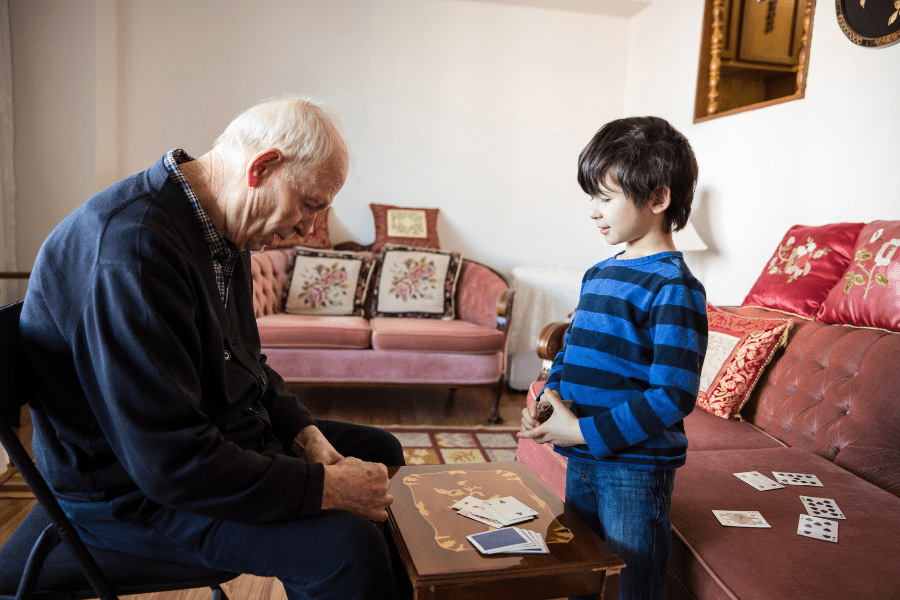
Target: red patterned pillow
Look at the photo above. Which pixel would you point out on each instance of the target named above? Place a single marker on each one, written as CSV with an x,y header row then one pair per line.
x,y
738,351
809,261
407,226
869,293
317,238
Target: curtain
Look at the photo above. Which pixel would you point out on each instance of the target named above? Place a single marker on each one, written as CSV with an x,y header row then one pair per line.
x,y
8,288
7,178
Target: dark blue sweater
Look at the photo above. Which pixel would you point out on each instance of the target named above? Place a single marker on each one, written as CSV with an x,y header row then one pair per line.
x,y
632,358
151,391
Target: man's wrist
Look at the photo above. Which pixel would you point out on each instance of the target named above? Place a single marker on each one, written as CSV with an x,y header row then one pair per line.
x,y
303,439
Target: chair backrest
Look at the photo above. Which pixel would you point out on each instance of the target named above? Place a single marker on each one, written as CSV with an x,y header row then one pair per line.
x,y
153,576
11,363
14,367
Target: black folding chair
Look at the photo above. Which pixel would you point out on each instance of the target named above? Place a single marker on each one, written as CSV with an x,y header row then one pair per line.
x,y
45,559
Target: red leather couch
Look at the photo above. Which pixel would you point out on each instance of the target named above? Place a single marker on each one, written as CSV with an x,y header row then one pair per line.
x,y
827,404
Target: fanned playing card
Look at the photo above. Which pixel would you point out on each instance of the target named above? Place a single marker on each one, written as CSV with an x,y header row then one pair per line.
x,y
497,512
818,528
758,480
822,507
797,479
740,518
511,510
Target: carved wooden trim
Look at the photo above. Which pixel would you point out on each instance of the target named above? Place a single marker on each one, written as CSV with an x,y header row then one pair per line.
x,y
715,63
802,63
504,309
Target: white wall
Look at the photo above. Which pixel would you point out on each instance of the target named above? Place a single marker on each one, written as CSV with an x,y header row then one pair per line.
x,y
477,108
827,158
53,56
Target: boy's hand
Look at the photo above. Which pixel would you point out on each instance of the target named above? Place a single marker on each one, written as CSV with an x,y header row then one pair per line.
x,y
561,429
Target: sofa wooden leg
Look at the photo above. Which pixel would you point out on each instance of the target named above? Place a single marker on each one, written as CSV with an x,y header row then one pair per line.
x,y
495,418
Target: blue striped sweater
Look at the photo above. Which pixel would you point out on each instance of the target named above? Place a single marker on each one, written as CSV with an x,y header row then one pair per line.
x,y
631,361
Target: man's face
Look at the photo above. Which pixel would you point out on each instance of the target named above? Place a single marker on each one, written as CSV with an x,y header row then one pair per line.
x,y
284,208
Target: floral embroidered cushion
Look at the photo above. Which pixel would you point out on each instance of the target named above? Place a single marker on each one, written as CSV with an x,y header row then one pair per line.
x,y
416,227
317,238
738,352
328,282
416,282
868,294
808,262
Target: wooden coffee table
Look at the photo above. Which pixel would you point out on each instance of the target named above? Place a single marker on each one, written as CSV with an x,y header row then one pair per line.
x,y
442,564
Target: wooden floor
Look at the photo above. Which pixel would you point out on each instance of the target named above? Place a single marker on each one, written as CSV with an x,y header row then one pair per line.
x,y
370,406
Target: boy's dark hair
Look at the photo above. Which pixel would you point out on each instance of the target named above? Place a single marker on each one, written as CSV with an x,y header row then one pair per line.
x,y
642,154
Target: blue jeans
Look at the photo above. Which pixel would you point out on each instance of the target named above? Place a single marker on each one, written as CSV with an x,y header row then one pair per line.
x,y
629,509
333,555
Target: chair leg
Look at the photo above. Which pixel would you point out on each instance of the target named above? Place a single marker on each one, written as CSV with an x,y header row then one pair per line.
x,y
495,418
218,592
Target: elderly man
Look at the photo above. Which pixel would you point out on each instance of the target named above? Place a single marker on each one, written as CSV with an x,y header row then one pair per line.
x,y
160,426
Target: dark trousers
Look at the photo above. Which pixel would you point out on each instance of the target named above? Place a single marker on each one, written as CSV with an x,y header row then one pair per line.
x,y
333,555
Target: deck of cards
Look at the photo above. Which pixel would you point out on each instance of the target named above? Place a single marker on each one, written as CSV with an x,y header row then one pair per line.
x,y
511,540
497,512
817,523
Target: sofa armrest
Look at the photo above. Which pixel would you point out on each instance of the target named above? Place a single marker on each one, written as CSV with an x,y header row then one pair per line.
x,y
550,341
483,296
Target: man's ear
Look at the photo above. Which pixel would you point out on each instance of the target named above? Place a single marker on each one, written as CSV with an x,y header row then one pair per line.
x,y
660,199
262,165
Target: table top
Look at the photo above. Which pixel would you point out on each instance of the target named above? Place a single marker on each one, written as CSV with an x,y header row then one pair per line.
x,y
442,563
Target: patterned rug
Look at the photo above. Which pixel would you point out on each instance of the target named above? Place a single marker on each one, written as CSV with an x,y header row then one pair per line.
x,y
13,486
456,445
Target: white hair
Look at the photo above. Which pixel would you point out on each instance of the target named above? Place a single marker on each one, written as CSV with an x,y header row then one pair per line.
x,y
297,126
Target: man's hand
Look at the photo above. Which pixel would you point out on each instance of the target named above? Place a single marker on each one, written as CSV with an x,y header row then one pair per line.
x,y
312,446
357,487
561,429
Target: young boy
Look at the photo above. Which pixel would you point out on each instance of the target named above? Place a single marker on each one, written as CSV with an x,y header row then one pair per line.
x,y
632,356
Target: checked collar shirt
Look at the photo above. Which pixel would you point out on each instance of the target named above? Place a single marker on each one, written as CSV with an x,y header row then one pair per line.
x,y
224,252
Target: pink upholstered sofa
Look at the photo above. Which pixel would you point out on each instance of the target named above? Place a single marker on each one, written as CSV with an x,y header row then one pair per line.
x,y
469,350
828,404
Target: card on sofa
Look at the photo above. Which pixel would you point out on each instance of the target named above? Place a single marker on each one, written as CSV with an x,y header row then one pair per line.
x,y
822,507
758,480
740,518
818,528
797,479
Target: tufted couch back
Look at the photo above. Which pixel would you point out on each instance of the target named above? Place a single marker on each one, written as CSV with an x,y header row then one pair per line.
x,y
270,280
835,390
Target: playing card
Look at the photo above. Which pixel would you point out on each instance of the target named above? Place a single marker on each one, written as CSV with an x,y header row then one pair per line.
x,y
511,539
538,540
797,479
822,507
511,510
818,528
758,480
466,502
545,410
481,518
740,518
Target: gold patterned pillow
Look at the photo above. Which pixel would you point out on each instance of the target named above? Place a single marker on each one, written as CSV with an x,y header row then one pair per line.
x,y
416,282
738,351
416,227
